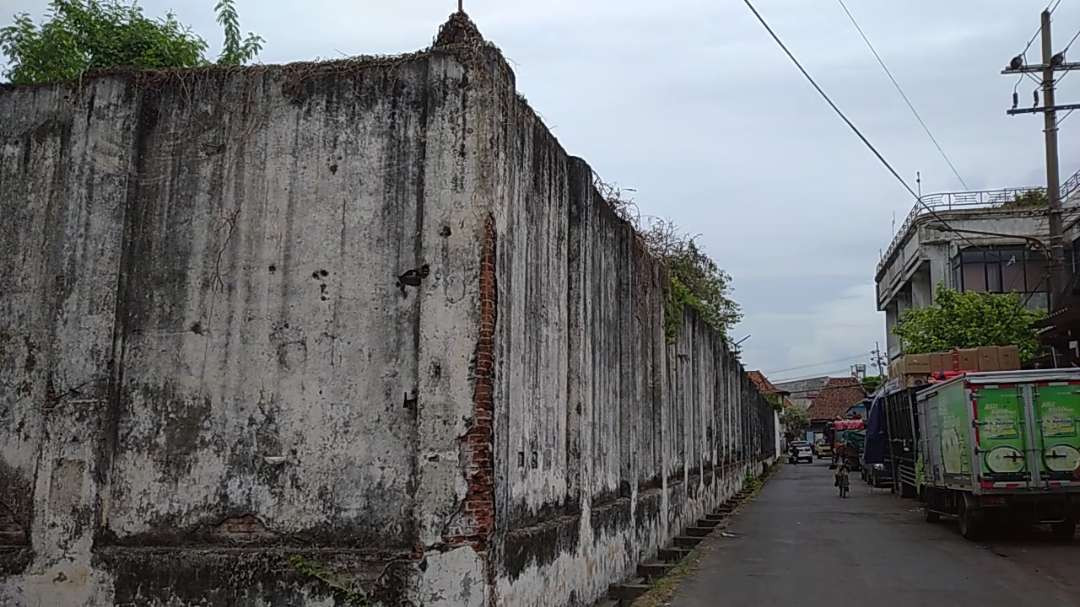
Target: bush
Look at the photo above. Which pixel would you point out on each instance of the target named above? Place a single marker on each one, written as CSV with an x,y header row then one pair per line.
x,y
970,320
86,35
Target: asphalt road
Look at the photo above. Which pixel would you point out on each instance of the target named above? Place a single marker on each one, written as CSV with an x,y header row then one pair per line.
x,y
797,543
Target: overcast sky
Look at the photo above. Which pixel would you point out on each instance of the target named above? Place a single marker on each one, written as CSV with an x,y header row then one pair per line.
x,y
694,106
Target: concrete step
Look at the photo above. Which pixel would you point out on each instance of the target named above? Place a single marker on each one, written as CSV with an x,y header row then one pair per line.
x,y
727,508
625,593
654,570
697,531
709,522
673,554
687,541
716,517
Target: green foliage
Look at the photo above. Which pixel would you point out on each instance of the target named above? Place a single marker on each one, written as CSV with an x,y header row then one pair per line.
x,y
871,383
78,36
1030,198
235,51
694,279
794,419
702,285
970,320
352,594
752,483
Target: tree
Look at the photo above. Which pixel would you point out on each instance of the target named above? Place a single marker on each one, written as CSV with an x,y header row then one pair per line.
x,y
235,51
78,36
871,383
794,419
970,320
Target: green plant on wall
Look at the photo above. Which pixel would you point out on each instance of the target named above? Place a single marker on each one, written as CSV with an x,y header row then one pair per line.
x,y
695,281
970,320
78,36
318,571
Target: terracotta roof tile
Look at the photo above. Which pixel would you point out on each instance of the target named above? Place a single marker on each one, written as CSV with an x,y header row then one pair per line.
x,y
763,384
836,397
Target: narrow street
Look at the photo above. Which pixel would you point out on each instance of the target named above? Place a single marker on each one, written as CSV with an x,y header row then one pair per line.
x,y
797,543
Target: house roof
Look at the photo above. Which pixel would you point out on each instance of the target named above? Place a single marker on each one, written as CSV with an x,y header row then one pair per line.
x,y
836,397
803,388
763,384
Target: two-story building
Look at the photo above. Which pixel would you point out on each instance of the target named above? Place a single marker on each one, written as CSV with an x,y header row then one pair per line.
x,y
995,242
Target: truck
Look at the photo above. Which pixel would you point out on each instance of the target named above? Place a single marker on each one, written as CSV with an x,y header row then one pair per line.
x,y
1001,446
900,453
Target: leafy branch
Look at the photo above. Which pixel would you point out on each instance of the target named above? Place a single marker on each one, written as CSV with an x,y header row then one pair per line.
x,y
694,279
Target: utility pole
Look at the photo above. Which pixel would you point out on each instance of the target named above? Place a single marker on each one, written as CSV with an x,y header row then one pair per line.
x,y
1053,180
1051,63
878,359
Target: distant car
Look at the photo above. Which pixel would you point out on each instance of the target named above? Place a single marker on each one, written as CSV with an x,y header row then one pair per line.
x,y
800,453
823,450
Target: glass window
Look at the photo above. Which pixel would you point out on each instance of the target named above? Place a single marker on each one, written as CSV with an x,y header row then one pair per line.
x,y
1012,273
1002,270
993,277
1036,273
974,276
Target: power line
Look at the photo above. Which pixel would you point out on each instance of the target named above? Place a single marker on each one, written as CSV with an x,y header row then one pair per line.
x,y
900,90
850,124
826,362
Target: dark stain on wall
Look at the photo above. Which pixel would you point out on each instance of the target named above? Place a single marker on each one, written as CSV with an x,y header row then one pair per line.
x,y
241,578
541,544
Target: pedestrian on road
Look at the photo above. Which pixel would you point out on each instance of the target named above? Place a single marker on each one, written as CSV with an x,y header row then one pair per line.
x,y
841,481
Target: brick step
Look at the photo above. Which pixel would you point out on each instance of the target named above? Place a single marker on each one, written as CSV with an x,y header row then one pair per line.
x,y
727,508
625,593
673,554
716,517
654,570
697,531
709,522
687,541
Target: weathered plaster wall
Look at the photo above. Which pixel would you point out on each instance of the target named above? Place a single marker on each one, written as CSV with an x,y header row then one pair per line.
x,y
238,309
268,332
608,439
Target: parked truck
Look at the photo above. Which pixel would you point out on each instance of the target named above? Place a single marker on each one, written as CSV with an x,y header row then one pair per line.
x,y
1001,445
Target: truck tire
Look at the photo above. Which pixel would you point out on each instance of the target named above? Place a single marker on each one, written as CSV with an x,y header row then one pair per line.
x,y
970,522
931,516
1064,530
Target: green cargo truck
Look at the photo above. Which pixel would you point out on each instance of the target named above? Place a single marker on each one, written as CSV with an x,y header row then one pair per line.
x,y
1000,446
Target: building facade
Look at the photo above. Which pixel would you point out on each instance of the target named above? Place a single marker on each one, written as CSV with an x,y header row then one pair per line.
x,y
994,242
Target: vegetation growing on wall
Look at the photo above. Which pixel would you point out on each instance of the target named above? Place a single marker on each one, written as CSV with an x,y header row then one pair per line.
x,y
79,36
970,320
694,279
1030,198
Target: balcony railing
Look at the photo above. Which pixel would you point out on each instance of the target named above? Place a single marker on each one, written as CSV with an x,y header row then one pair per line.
x,y
962,201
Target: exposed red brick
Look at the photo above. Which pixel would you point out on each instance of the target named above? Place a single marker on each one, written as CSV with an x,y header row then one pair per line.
x,y
479,506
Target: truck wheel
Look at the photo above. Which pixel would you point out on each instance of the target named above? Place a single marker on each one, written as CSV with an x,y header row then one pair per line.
x,y
931,516
969,522
1064,530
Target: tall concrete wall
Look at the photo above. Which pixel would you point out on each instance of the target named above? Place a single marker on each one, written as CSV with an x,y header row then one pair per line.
x,y
283,335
